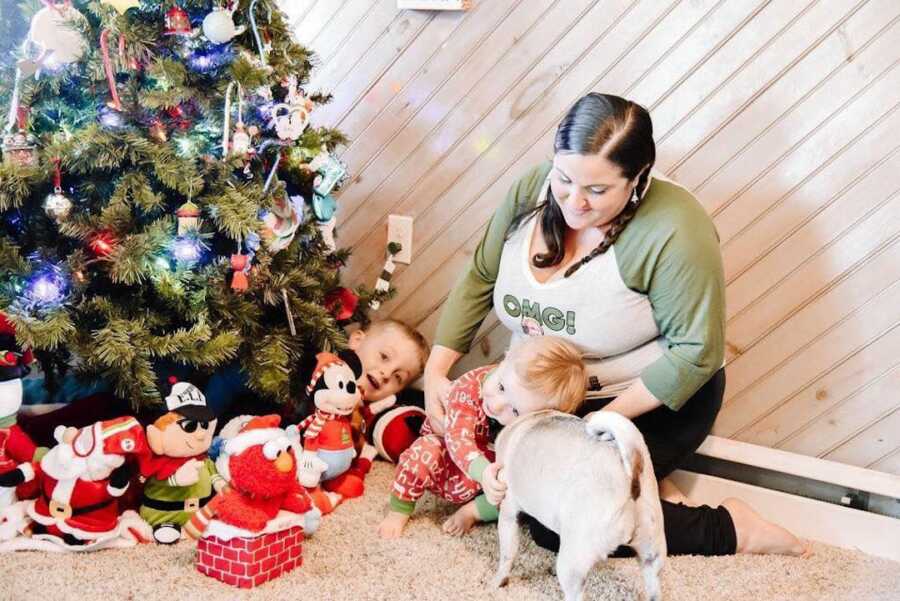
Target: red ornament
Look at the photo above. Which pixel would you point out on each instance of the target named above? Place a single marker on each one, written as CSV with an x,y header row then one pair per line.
x,y
341,303
239,282
102,244
177,22
178,115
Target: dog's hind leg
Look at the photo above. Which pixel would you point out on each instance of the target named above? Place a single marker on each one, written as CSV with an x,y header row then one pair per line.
x,y
579,551
508,534
650,545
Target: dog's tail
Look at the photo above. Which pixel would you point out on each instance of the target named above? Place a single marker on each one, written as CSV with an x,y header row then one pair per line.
x,y
612,426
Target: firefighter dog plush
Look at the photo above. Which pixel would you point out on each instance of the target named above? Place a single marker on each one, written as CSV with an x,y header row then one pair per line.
x,y
328,449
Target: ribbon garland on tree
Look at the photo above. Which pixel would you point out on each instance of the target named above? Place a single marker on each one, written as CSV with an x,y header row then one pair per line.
x,y
107,66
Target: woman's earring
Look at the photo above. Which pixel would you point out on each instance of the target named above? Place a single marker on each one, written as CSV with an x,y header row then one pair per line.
x,y
634,195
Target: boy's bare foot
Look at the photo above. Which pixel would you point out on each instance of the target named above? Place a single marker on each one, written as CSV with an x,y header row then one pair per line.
x,y
392,525
462,520
671,493
756,535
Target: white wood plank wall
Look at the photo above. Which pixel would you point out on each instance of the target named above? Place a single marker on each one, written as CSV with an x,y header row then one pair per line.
x,y
781,115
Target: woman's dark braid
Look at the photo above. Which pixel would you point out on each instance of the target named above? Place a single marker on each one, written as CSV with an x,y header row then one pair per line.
x,y
616,227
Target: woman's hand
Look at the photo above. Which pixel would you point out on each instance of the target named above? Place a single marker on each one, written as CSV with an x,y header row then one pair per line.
x,y
437,385
436,389
494,488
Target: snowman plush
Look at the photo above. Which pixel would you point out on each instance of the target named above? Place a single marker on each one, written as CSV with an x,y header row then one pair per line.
x,y
17,450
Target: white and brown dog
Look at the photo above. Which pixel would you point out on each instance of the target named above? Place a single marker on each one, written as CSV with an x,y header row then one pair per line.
x,y
591,482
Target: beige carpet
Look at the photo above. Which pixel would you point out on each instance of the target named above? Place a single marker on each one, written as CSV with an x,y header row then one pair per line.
x,y
345,560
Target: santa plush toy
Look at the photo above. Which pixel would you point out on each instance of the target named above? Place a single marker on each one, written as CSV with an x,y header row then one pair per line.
x,y
263,493
81,480
17,450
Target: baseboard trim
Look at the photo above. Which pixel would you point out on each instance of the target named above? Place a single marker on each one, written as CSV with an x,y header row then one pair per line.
x,y
811,468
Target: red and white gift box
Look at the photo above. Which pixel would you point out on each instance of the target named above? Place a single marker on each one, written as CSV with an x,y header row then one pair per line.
x,y
247,562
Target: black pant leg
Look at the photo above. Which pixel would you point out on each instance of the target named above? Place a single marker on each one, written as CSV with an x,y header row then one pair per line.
x,y
689,530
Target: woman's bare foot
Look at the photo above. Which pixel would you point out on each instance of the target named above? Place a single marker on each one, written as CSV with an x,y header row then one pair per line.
x,y
756,535
671,493
462,520
392,525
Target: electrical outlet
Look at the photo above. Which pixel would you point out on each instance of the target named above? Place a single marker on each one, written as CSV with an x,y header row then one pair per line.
x,y
400,230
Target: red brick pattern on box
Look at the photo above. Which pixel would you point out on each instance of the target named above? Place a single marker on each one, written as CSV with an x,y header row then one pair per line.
x,y
248,562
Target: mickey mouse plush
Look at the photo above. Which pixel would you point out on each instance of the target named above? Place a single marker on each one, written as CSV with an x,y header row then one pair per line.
x,y
328,449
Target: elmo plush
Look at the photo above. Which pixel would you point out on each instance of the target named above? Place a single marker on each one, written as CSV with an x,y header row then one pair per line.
x,y
261,468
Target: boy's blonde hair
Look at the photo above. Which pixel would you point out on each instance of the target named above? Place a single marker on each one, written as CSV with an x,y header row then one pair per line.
x,y
553,367
409,332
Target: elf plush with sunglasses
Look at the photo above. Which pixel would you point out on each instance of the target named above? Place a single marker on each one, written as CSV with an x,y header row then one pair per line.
x,y
180,478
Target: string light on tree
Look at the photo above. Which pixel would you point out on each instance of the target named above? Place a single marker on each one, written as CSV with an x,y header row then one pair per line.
x,y
186,147
187,250
111,118
47,285
208,59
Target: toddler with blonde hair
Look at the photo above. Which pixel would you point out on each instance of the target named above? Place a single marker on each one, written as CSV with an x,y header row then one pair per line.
x,y
544,372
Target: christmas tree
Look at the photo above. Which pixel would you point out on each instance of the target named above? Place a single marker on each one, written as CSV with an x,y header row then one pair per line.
x,y
163,198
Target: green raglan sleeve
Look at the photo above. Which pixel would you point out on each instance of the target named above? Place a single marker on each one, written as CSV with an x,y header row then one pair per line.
x,y
472,297
673,256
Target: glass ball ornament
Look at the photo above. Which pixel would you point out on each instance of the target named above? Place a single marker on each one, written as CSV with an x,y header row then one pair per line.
x,y
218,26
58,206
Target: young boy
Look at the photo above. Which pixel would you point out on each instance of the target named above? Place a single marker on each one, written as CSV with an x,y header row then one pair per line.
x,y
392,355
539,373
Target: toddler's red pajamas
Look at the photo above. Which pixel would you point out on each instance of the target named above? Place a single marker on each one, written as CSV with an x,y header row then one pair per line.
x,y
450,466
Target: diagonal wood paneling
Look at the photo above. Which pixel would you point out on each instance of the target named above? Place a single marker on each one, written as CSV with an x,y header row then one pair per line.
x,y
781,115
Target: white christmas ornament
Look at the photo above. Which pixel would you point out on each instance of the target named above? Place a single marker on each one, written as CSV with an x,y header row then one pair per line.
x,y
291,117
218,26
57,205
54,29
240,142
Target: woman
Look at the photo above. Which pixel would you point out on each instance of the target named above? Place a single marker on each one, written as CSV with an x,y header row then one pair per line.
x,y
593,248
